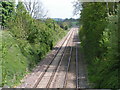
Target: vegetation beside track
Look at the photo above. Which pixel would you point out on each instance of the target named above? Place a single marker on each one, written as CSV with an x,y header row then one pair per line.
x,y
25,41
99,35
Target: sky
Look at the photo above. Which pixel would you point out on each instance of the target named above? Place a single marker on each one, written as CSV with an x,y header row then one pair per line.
x,y
59,8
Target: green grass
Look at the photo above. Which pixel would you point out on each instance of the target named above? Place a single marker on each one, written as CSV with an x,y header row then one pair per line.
x,y
14,63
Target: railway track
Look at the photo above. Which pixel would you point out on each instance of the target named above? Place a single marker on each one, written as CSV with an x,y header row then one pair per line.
x,y
68,65
76,62
62,57
80,79
41,80
63,70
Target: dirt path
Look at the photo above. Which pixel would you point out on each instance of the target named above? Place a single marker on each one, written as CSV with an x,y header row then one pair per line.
x,y
58,69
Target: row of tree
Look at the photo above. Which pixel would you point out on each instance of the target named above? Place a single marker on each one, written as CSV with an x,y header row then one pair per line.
x,y
68,23
100,39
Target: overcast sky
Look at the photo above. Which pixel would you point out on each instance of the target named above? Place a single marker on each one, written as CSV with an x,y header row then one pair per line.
x,y
59,8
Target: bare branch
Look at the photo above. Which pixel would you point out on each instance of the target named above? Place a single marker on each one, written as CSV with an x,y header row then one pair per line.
x,y
77,7
35,8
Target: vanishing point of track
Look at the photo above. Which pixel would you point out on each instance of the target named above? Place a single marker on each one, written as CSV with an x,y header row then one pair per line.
x,y
69,38
64,62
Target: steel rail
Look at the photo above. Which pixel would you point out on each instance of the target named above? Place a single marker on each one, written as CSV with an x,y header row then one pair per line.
x,y
77,78
59,64
68,65
77,67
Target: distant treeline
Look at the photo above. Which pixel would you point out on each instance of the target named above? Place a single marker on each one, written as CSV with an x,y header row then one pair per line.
x,y
67,23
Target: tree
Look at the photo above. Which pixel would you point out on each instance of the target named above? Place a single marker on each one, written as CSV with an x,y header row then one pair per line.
x,y
7,11
35,8
77,7
22,21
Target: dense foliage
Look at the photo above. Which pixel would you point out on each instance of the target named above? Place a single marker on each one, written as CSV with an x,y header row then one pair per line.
x,y
99,34
7,9
119,43
25,42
